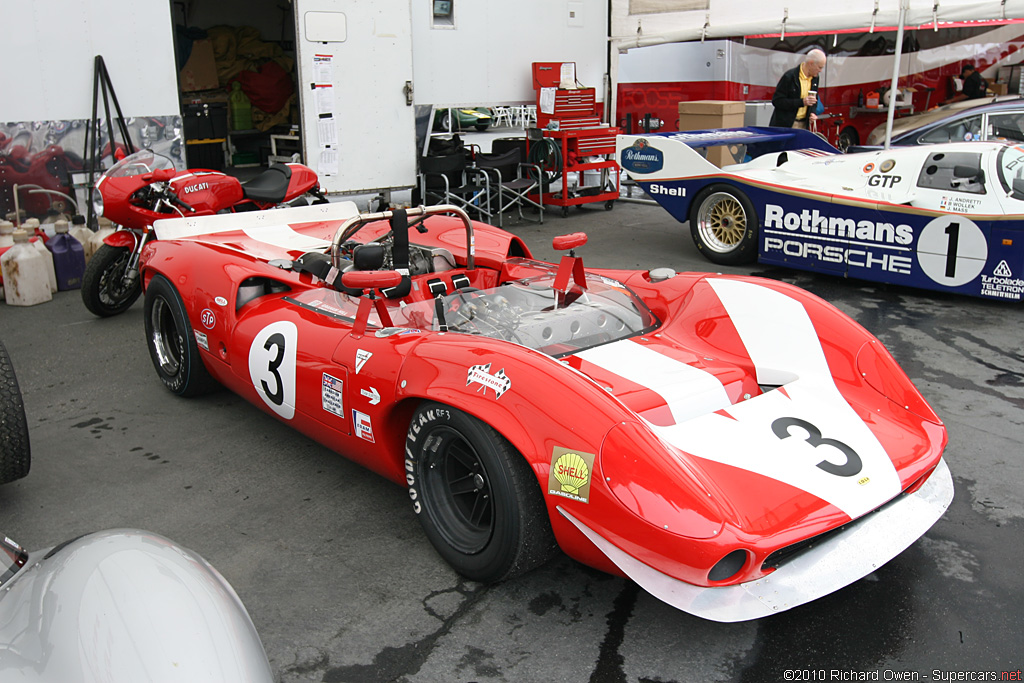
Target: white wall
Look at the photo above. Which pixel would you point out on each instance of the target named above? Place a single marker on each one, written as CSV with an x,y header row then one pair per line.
x,y
49,51
486,58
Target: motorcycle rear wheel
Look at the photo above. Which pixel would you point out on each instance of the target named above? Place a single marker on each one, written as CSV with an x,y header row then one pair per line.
x,y
104,290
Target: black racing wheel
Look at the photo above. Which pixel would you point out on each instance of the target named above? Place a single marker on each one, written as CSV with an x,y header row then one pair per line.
x,y
477,498
172,342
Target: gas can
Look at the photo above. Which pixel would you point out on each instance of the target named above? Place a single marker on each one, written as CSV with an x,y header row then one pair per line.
x,y
68,257
239,108
96,241
40,246
26,279
82,233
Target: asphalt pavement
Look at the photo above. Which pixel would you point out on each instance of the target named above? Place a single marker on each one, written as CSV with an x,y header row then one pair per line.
x,y
343,586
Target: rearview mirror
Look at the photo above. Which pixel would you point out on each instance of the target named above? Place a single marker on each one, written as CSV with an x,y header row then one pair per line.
x,y
965,171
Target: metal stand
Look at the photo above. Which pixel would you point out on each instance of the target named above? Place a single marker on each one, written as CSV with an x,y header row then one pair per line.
x,y
93,153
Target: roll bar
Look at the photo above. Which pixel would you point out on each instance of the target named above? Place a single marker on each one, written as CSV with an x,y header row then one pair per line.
x,y
351,226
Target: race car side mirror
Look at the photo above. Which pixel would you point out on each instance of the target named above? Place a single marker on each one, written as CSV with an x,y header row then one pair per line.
x,y
371,279
568,242
571,265
965,171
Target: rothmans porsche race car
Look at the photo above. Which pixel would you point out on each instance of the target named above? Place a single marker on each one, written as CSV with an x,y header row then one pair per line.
x,y
734,445
945,217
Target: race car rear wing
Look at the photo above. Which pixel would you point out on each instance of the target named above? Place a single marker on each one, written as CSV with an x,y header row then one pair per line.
x,y
671,155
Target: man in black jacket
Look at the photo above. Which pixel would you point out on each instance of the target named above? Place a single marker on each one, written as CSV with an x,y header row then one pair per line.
x,y
796,94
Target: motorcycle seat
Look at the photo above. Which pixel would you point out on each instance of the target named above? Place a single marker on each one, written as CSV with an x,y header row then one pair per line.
x,y
269,186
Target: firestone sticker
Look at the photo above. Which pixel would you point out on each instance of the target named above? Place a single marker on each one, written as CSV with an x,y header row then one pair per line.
x,y
332,395
570,474
202,340
480,374
363,426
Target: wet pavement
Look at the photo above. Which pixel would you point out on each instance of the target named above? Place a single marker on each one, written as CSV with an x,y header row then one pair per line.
x,y
342,585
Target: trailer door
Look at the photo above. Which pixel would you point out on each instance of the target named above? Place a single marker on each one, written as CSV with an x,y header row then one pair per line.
x,y
355,91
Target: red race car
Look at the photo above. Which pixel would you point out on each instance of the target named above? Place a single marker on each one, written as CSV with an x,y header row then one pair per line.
x,y
734,445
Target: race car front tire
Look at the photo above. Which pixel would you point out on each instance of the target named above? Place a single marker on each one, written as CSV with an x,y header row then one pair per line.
x,y
15,452
724,225
172,342
477,498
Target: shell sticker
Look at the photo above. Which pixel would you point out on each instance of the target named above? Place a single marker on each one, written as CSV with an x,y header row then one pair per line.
x,y
570,474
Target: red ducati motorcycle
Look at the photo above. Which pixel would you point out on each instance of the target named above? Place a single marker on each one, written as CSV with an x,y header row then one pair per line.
x,y
145,187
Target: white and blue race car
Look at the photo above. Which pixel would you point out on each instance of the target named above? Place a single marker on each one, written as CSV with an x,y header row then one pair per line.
x,y
945,217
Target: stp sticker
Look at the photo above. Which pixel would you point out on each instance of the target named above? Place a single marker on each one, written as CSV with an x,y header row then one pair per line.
x,y
364,428
208,318
570,474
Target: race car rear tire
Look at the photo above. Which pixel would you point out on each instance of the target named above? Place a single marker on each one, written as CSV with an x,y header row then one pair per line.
x,y
15,452
172,342
477,498
724,225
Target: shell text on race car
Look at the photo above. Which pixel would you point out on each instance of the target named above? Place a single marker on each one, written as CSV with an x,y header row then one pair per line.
x,y
655,188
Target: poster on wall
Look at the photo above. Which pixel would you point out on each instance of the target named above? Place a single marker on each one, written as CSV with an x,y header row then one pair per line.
x,y
44,160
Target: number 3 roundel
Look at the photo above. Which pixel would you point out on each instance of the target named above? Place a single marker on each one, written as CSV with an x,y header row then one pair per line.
x,y
272,366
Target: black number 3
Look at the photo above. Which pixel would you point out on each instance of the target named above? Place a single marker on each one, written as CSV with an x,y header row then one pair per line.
x,y
277,395
849,468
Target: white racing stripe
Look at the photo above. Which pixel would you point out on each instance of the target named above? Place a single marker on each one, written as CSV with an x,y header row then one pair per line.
x,y
784,347
284,237
688,391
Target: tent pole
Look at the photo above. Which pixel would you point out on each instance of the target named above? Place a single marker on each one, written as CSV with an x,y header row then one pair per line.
x,y
895,73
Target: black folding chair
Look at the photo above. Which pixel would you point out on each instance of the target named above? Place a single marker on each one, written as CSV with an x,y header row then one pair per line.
x,y
512,181
449,179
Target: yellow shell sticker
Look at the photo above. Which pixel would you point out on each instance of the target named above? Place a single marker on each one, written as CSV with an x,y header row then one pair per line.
x,y
570,474
887,165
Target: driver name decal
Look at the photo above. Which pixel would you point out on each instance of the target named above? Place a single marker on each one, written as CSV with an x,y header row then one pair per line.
x,y
332,395
570,474
481,374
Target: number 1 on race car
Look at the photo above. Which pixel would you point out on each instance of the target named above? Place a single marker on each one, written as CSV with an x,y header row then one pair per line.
x,y
272,366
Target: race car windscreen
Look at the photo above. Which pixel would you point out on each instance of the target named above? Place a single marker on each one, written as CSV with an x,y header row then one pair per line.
x,y
532,313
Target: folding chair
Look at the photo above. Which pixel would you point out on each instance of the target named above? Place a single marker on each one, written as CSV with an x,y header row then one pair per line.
x,y
449,180
502,116
513,181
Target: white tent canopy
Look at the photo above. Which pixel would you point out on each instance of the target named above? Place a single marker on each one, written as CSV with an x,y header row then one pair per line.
x,y
636,23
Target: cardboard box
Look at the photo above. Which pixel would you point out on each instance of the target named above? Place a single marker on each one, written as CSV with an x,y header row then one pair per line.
x,y
710,114
200,71
712,108
998,88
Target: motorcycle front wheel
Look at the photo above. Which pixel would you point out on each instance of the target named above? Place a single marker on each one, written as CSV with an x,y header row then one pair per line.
x,y
106,290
